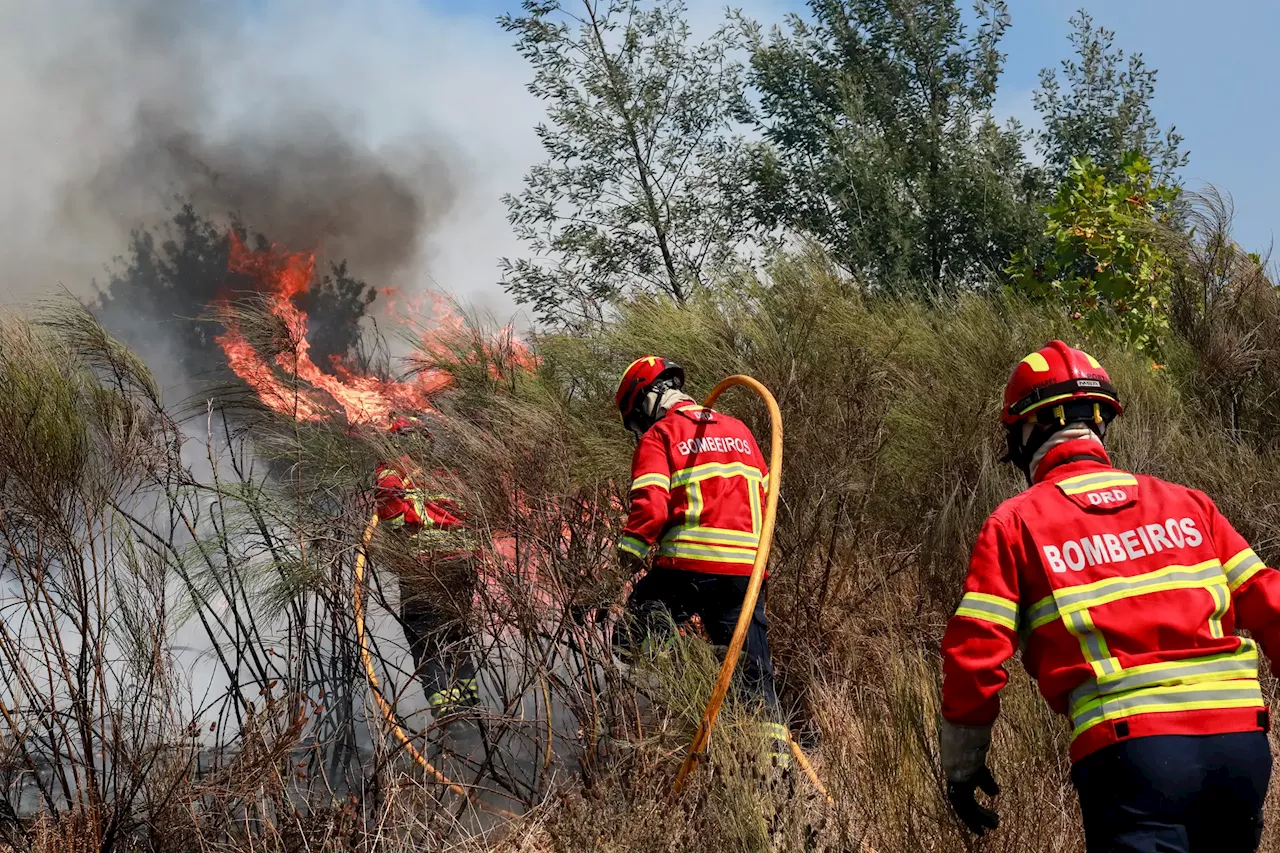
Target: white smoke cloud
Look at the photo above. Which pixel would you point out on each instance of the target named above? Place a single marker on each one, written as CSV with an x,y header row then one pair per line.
x,y
391,127
382,131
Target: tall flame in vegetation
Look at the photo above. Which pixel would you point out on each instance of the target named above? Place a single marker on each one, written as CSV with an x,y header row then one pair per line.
x,y
292,384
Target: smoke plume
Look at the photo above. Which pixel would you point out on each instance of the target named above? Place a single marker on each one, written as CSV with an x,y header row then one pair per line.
x,y
114,112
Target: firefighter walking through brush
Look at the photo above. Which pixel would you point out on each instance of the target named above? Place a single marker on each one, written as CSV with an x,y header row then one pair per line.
x,y
437,576
698,490
1126,593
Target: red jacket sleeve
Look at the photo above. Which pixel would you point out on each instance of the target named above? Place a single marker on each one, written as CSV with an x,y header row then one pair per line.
x,y
393,506
650,496
440,510
983,633
1255,588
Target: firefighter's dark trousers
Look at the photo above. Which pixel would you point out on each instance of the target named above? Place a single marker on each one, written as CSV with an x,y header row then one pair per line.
x,y
435,625
1175,794
666,597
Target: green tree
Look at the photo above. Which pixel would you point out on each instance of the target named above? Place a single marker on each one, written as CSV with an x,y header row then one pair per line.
x,y
1101,109
1109,257
638,192
157,299
880,142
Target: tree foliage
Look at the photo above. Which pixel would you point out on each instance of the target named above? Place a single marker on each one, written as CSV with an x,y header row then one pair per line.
x,y
158,297
1101,109
881,143
637,194
1108,259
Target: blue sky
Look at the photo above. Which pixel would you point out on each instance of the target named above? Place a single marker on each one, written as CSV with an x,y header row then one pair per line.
x,y
440,78
1216,81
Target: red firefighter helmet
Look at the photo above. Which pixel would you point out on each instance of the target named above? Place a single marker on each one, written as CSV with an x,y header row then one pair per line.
x,y
640,377
1053,376
405,425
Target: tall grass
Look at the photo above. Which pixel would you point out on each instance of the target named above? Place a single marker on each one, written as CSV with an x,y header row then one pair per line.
x,y
123,531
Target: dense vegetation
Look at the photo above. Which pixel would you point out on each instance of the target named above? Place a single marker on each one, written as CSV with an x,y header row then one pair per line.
x,y
827,205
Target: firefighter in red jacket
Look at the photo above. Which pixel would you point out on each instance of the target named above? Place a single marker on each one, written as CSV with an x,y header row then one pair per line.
x,y
698,486
1125,593
437,579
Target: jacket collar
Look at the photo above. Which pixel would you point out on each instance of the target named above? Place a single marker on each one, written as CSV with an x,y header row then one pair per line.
x,y
1072,458
683,404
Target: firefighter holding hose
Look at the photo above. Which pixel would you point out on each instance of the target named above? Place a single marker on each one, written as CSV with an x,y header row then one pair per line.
x,y
1126,593
436,565
698,488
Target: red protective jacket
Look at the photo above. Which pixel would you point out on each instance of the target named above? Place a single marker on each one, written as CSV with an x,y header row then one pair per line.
x,y
434,520
698,484
1126,592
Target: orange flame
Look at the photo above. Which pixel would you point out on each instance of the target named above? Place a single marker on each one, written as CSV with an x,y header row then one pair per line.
x,y
295,385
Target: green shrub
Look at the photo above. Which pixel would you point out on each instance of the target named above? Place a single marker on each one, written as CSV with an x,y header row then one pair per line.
x,y
1106,258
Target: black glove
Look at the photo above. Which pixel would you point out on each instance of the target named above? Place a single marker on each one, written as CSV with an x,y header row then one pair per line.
x,y
961,794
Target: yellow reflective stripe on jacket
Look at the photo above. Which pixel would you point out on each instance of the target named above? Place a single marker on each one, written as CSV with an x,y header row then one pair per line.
x,y
1092,644
644,481
707,553
1241,567
1041,613
775,730
706,471
713,536
757,511
1095,481
694,503
1221,604
989,608
396,521
1243,693
633,545
1207,575
1231,666
1101,592
464,691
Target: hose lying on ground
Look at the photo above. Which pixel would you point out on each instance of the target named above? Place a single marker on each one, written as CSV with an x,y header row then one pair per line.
x,y
366,657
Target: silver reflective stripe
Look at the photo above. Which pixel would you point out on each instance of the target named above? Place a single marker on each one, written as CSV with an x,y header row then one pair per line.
x,y
1236,665
713,536
1237,572
1095,649
1089,595
1227,694
1221,604
1042,613
990,608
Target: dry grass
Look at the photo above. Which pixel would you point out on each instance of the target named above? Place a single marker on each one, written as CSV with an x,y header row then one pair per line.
x,y
119,529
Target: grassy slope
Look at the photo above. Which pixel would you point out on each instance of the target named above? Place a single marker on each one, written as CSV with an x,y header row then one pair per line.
x,y
892,449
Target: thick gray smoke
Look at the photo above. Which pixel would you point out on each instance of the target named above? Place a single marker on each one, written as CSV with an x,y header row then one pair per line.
x,y
114,110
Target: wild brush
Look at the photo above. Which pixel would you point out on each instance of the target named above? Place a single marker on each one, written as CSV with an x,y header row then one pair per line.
x,y
131,533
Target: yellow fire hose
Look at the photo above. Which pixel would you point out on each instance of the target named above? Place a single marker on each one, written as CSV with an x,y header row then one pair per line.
x,y
718,693
721,688
366,657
